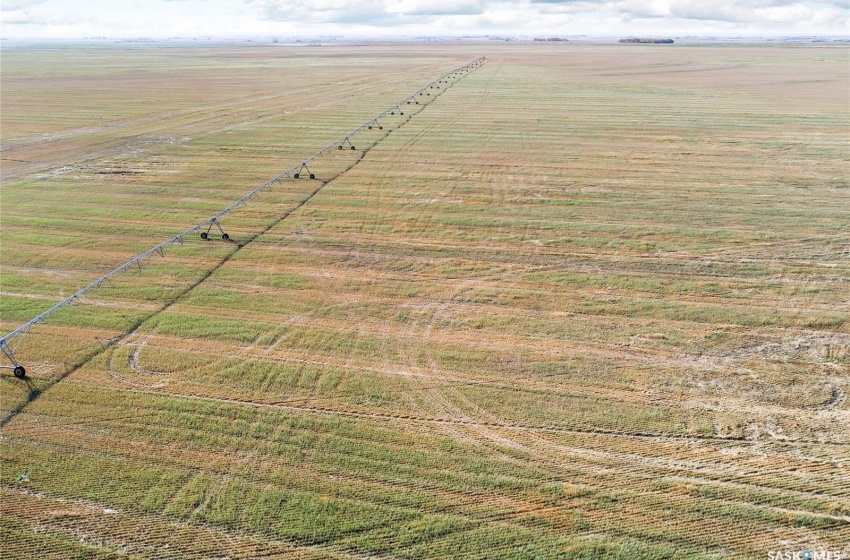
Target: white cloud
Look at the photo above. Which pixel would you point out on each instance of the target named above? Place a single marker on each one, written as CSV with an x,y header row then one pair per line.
x,y
15,17
368,12
769,13
69,18
17,5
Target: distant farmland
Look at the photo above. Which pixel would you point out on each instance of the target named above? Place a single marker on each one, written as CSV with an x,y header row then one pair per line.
x,y
590,302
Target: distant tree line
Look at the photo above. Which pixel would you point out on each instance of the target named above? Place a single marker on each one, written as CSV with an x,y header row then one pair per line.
x,y
646,40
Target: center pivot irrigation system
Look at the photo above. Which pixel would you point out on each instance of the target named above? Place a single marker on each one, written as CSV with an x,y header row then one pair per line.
x,y
10,343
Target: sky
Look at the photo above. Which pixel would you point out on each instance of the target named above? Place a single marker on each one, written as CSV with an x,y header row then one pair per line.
x,y
66,19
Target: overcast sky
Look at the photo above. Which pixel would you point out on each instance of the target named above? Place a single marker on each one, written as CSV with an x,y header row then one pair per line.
x,y
187,18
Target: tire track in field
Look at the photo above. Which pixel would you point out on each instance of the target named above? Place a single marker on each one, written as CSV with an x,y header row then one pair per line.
x,y
407,147
440,126
436,389
426,219
438,420
726,481
600,462
447,378
36,392
444,125
430,385
135,366
624,471
147,531
620,464
423,223
418,334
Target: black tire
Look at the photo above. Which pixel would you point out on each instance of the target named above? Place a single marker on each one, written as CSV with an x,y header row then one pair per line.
x,y
392,112
225,236
352,148
204,235
370,127
380,128
20,372
297,175
401,113
340,147
312,176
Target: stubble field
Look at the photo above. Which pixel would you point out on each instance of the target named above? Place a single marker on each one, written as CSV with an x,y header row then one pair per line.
x,y
587,301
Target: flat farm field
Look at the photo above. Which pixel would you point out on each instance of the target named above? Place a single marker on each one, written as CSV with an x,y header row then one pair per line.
x,y
587,301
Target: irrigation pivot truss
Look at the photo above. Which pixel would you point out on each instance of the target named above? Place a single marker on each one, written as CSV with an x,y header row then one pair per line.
x,y
10,342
